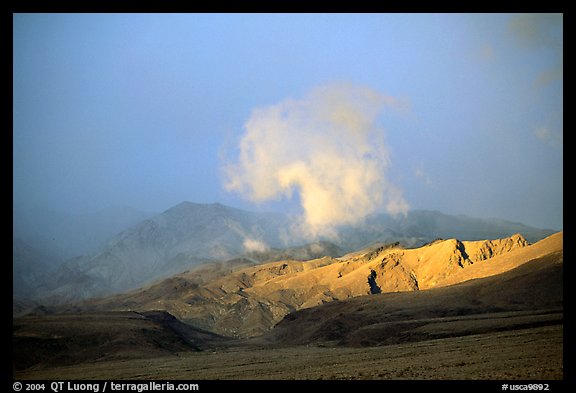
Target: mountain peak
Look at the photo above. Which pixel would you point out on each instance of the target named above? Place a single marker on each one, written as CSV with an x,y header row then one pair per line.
x,y
186,206
518,238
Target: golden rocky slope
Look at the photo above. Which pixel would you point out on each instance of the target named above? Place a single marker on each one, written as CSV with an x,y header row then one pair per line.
x,y
249,301
528,295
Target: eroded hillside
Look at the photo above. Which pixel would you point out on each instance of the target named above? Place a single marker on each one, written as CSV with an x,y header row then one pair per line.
x,y
249,301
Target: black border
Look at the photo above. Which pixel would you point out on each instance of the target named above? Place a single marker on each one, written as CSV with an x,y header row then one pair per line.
x,y
167,6
427,6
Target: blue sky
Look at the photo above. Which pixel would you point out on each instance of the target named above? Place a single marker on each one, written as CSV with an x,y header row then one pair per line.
x,y
145,110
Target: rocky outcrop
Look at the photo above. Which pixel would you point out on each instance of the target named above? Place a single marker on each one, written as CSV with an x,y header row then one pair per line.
x,y
480,251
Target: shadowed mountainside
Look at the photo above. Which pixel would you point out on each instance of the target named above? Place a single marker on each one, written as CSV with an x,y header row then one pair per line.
x,y
66,339
185,235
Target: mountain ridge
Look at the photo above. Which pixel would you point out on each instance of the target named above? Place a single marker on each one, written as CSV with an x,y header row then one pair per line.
x,y
249,300
189,234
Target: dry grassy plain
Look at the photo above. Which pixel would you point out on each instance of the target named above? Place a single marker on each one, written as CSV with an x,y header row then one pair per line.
x,y
527,354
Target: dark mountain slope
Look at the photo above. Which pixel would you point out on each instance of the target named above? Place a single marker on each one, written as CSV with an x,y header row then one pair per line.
x,y
66,339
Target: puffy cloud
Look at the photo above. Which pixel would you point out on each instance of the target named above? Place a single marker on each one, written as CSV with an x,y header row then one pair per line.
x,y
326,148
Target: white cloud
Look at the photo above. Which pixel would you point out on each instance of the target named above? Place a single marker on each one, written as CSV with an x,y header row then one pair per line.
x,y
254,245
326,147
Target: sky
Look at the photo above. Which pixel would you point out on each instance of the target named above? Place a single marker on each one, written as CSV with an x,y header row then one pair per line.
x,y
330,116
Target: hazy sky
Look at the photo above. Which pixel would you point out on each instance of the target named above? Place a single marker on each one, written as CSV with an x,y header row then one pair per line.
x,y
148,110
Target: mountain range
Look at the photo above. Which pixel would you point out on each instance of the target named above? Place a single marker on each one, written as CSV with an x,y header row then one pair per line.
x,y
189,234
458,308
248,301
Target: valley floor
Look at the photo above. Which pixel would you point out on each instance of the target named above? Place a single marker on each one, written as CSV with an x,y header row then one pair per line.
x,y
526,354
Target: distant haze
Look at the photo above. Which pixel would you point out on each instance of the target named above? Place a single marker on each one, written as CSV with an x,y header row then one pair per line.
x,y
328,117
